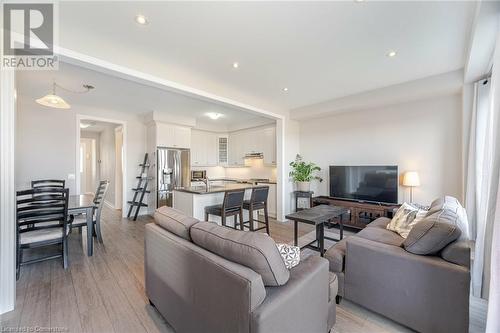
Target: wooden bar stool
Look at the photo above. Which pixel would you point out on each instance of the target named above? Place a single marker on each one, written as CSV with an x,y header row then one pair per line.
x,y
258,201
231,206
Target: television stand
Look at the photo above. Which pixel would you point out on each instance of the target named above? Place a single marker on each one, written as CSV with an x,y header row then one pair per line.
x,y
362,213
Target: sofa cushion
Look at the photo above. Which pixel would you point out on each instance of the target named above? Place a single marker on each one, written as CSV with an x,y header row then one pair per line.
x,y
336,255
457,252
174,221
334,286
381,236
405,219
254,250
451,203
381,222
433,233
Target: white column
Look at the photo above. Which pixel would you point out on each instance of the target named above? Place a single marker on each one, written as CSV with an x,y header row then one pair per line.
x,y
7,191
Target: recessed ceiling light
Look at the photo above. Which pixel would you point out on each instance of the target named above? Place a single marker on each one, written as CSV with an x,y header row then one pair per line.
x,y
141,19
285,89
214,115
236,65
391,54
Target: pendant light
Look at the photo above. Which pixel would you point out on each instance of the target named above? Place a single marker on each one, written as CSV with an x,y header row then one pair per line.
x,y
53,101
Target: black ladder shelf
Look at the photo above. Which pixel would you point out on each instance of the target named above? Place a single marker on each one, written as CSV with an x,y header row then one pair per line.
x,y
139,190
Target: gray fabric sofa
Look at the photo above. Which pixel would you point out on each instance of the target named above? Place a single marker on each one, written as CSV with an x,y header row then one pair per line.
x,y
206,278
428,293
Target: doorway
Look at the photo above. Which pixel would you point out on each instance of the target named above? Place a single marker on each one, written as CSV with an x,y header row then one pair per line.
x,y
88,165
101,157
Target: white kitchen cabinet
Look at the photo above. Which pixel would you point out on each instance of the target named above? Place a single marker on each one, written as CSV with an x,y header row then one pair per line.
x,y
271,199
268,144
173,136
222,150
212,149
237,146
203,148
198,151
255,140
182,137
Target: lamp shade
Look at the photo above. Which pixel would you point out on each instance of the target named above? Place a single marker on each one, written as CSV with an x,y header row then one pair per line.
x,y
53,101
411,178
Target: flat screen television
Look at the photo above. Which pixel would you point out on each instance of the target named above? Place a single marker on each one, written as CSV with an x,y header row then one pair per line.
x,y
371,183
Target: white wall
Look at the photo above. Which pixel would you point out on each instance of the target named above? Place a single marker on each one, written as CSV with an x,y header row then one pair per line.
x,y
423,135
47,142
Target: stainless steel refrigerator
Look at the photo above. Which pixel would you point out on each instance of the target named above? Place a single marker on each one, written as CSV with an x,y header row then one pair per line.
x,y
173,171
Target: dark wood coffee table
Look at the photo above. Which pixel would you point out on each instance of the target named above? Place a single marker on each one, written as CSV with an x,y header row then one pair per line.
x,y
318,216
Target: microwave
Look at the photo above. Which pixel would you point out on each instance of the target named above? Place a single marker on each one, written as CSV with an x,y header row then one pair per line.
x,y
198,174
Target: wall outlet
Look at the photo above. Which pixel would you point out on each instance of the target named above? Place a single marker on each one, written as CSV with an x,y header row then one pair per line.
x,y
71,176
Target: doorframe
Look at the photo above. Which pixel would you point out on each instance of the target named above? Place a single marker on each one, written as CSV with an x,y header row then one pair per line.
x,y
119,129
8,100
79,118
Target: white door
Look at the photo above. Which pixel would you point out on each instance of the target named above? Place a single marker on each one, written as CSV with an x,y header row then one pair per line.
x,y
88,166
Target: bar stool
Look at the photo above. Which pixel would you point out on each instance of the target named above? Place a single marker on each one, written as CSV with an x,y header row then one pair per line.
x,y
231,206
258,201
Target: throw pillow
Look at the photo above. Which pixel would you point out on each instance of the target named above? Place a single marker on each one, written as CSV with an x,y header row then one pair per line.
x,y
433,233
405,219
290,254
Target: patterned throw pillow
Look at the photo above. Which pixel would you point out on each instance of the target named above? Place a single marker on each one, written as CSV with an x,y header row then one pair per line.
x,y
405,219
290,254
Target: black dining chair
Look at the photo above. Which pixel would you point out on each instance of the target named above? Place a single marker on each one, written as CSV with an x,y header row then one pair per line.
x,y
258,201
55,183
41,220
232,205
80,221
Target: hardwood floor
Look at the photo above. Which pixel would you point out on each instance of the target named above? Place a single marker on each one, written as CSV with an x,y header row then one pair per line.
x,y
105,292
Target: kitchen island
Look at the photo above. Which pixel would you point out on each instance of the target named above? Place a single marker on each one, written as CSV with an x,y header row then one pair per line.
x,y
193,200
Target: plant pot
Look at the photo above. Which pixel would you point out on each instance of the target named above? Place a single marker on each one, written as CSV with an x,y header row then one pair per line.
x,y
304,186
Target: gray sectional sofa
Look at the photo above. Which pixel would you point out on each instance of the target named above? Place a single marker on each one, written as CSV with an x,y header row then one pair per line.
x,y
421,282
206,278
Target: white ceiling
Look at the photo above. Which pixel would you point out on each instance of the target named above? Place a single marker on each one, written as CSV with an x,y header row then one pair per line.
x,y
319,50
123,95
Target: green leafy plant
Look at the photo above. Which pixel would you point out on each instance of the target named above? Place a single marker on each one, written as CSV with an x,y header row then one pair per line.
x,y
303,171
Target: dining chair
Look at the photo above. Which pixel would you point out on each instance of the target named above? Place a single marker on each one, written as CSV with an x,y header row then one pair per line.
x,y
55,183
231,206
80,221
258,201
41,220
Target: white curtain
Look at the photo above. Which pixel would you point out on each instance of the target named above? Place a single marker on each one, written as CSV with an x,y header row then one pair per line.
x,y
478,170
492,157
483,174
482,191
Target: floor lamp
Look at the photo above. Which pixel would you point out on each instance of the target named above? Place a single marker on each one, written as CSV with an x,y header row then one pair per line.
x,y
411,180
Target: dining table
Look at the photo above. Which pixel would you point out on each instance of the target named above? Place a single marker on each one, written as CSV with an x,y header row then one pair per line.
x,y
84,204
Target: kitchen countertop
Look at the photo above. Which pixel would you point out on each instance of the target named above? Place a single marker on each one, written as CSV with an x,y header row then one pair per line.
x,y
216,189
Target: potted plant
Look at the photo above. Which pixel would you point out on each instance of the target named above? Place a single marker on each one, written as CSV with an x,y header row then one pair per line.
x,y
303,173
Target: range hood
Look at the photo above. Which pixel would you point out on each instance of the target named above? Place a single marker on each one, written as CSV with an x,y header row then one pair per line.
x,y
254,156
